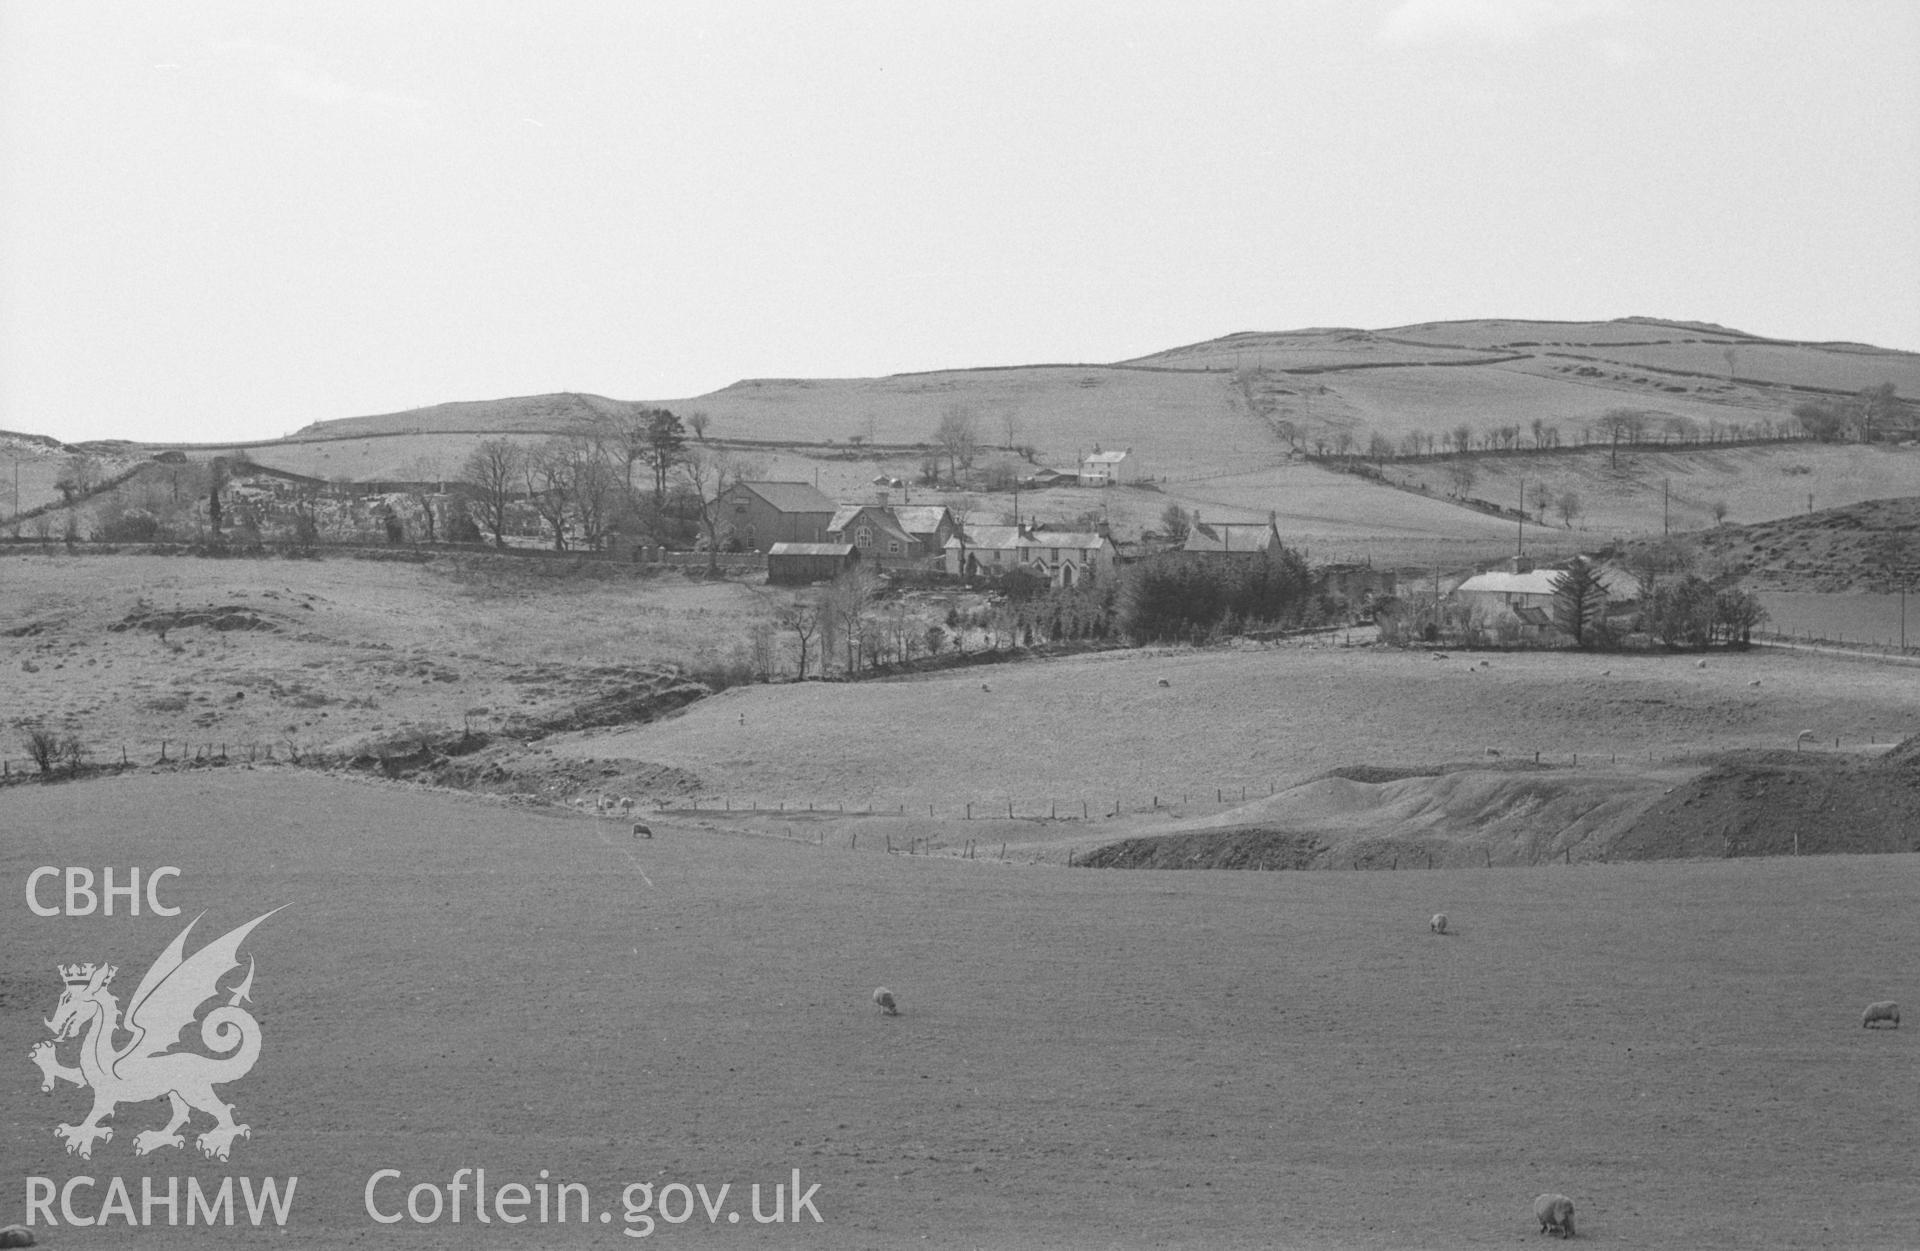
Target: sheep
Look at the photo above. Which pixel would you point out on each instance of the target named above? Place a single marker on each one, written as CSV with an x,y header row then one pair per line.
x,y
1555,1214
642,830
1886,1010
1164,682
1699,664
16,1236
985,687
883,998
1493,751
1439,923
1755,682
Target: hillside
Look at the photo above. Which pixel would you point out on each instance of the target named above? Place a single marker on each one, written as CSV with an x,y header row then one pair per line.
x,y
1190,409
1872,546
1236,428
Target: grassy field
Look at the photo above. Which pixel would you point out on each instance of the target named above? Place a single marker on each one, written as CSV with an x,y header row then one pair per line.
x,y
1084,1059
1647,486
341,648
1102,727
1859,618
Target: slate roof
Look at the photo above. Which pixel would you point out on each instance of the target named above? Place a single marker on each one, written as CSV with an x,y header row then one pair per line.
x,y
1231,536
1012,538
791,497
919,518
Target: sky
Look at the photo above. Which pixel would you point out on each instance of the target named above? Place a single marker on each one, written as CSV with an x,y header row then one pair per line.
x,y
223,221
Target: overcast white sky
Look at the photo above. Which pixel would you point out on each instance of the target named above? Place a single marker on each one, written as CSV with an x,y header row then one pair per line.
x,y
226,220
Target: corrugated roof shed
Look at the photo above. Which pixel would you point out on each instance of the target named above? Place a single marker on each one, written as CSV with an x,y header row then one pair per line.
x,y
810,549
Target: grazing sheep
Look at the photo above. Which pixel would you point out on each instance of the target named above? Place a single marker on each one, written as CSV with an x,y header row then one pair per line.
x,y
1439,923
1755,682
1606,673
1164,682
1493,751
886,1002
642,830
1699,664
985,687
1555,1214
1886,1010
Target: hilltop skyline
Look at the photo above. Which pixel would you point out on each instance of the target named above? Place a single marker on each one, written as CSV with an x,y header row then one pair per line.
x,y
228,221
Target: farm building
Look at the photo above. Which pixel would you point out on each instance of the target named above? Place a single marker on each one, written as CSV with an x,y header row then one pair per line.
x,y
877,532
759,514
1041,479
1062,557
893,535
1098,468
1526,593
931,524
1232,538
797,564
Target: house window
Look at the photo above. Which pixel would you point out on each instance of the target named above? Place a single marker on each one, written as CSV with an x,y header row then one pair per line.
x,y
863,537
893,547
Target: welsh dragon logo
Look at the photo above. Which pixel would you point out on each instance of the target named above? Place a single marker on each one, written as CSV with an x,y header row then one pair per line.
x,y
146,1066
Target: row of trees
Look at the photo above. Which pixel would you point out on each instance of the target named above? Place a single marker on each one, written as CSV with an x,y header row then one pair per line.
x,y
1876,413
636,474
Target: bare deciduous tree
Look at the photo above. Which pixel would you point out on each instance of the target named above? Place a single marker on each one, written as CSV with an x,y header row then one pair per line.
x,y
958,435
709,473
847,604
492,476
801,618
549,480
1570,506
424,475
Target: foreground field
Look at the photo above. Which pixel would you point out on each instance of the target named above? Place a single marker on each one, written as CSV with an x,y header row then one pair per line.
x,y
1085,1059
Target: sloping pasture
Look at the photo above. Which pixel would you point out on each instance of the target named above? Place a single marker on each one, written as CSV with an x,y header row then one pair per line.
x,y
1084,1059
1102,727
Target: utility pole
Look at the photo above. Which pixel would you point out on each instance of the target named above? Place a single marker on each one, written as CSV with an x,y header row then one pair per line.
x,y
1665,497
1520,534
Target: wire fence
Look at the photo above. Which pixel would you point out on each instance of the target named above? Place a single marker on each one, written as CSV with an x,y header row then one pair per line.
x,y
1194,799
1897,647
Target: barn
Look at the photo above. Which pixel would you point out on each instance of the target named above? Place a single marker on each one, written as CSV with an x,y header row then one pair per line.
x,y
797,564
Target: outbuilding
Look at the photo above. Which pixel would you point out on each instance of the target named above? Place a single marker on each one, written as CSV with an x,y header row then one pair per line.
x,y
799,564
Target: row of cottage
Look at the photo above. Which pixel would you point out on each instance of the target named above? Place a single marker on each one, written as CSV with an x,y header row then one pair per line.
x,y
807,537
